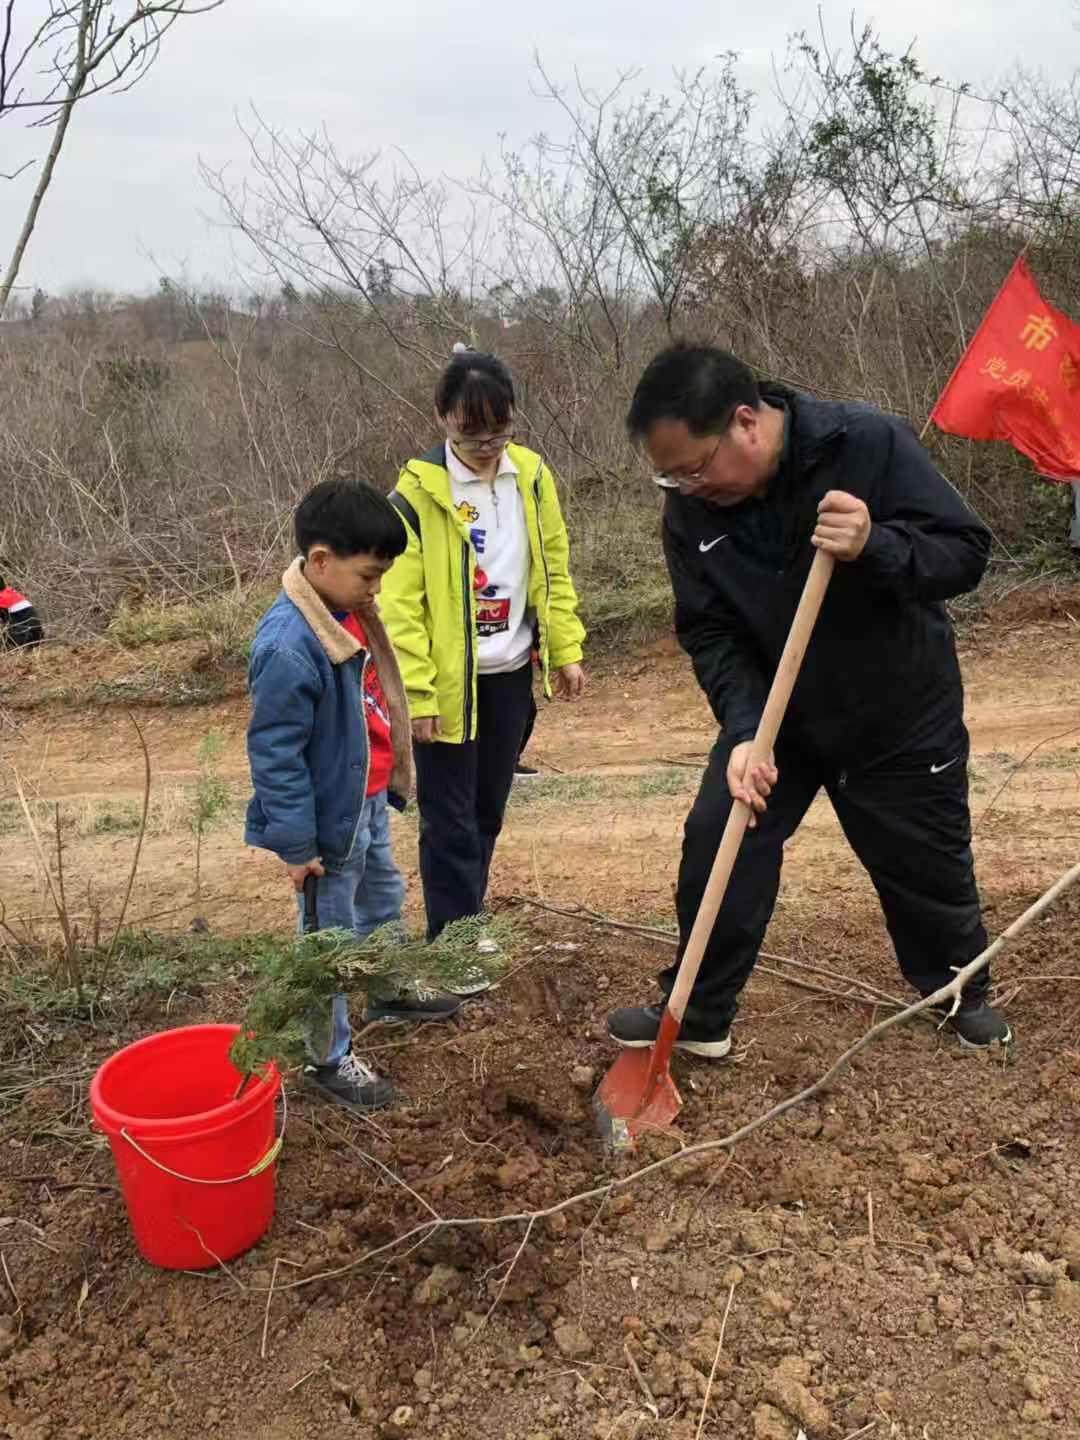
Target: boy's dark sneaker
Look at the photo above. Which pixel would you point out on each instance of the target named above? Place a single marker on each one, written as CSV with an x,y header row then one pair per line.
x,y
636,1027
977,1024
525,772
413,1004
351,1084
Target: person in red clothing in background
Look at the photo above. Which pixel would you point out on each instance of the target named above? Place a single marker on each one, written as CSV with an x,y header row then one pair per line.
x,y
20,627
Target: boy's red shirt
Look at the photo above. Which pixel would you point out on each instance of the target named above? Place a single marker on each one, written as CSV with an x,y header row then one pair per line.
x,y
376,713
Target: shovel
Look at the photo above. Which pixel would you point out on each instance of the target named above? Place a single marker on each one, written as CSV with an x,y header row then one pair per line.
x,y
638,1093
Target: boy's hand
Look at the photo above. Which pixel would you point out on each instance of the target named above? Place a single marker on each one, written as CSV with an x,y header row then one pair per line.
x,y
843,525
425,729
299,873
570,682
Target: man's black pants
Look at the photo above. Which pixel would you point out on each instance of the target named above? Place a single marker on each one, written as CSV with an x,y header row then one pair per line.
x,y
906,816
462,792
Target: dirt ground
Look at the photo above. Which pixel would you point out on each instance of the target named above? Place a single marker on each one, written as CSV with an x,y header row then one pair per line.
x,y
899,1257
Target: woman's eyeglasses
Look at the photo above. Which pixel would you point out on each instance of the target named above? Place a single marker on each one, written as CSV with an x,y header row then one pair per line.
x,y
482,444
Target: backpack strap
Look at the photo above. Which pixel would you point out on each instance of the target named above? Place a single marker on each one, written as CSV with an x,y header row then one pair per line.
x,y
406,510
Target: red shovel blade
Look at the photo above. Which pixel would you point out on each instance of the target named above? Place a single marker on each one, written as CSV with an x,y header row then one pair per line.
x,y
638,1093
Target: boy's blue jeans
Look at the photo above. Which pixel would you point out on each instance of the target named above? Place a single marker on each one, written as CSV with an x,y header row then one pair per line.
x,y
359,893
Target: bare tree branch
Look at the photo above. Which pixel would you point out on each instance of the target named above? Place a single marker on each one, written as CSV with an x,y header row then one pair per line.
x,y
86,49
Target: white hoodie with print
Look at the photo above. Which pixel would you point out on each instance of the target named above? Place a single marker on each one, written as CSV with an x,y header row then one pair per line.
x,y
495,514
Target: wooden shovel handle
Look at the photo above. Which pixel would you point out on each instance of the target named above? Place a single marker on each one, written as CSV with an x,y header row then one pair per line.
x,y
787,672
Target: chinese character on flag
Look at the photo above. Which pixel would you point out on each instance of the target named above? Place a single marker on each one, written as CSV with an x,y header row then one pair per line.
x,y
1019,380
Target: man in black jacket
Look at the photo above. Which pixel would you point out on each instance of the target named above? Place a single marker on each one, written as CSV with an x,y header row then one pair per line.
x,y
757,477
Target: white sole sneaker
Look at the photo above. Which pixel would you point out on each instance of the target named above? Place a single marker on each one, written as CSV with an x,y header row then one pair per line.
x,y
474,981
465,991
1003,1040
706,1049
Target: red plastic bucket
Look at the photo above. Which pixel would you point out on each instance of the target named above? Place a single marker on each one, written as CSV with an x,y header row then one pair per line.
x,y
195,1166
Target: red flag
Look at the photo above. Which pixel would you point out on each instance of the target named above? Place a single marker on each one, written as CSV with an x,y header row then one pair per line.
x,y
1019,380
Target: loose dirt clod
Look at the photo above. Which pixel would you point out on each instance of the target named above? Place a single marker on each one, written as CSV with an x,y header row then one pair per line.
x,y
572,1341
436,1287
517,1172
788,1388
769,1424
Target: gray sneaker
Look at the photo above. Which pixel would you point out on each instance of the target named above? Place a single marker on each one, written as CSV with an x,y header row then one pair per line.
x,y
351,1084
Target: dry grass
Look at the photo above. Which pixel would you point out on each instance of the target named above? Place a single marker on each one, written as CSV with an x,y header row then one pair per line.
x,y
224,624
171,810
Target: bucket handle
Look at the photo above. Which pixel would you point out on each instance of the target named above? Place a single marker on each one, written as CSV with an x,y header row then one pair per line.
x,y
257,1169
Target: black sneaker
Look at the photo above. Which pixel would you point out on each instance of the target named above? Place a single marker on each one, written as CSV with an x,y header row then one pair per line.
x,y
636,1027
414,1004
525,772
977,1024
351,1084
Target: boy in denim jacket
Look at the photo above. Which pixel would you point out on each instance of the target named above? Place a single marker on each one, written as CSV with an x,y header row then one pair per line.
x,y
329,747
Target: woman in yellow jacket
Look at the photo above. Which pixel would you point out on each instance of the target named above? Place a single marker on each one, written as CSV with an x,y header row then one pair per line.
x,y
484,578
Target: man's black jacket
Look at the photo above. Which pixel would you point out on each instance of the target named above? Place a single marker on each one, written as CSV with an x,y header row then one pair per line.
x,y
882,662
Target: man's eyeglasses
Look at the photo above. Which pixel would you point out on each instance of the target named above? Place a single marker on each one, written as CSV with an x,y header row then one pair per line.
x,y
673,482
482,444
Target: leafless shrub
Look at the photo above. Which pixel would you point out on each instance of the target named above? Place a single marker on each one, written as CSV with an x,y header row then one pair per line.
x,y
155,447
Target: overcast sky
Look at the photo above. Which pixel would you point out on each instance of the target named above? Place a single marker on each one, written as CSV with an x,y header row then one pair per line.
x,y
439,78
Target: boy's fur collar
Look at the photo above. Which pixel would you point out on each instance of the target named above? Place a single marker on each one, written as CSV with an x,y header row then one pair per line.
x,y
341,646
337,642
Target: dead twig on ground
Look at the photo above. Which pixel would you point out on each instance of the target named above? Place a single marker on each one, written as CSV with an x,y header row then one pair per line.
x,y
55,1184
377,1164
874,995
581,912
506,1278
266,1312
643,1384
830,974
14,1292
715,1363
216,1258
303,1378
793,980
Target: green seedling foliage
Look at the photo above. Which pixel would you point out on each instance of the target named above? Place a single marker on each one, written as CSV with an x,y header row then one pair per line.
x,y
296,984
